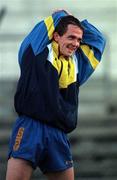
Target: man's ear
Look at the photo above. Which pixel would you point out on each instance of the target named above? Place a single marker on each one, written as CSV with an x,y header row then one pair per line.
x,y
56,36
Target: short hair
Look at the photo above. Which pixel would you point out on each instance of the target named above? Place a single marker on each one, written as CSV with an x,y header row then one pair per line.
x,y
62,26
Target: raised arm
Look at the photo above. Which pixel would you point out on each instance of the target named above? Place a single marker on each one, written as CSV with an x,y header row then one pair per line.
x,y
90,51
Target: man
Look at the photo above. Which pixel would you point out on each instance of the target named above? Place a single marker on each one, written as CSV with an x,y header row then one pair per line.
x,y
55,59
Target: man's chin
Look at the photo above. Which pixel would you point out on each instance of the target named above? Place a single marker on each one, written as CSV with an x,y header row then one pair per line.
x,y
67,55
70,54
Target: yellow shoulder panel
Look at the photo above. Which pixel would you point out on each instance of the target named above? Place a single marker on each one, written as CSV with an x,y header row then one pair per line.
x,y
50,26
90,55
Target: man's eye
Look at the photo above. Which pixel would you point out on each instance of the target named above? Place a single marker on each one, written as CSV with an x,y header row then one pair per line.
x,y
70,38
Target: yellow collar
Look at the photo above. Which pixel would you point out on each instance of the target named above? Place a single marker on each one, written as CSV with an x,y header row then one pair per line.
x,y
55,48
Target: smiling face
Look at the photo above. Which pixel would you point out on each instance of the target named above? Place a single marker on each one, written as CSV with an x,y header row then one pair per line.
x,y
69,42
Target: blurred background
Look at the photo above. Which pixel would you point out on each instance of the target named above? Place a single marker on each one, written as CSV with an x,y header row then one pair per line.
x,y
94,142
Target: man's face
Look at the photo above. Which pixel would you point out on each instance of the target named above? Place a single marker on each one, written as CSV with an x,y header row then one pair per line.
x,y
69,41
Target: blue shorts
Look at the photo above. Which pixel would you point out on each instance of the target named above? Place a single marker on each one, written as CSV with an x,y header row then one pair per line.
x,y
43,146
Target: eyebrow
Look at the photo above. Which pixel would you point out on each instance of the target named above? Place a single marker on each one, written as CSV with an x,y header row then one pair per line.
x,y
74,37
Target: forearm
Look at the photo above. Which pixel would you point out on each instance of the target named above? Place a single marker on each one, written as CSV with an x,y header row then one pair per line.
x,y
90,51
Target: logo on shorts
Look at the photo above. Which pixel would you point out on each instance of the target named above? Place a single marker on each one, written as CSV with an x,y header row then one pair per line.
x,y
18,139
